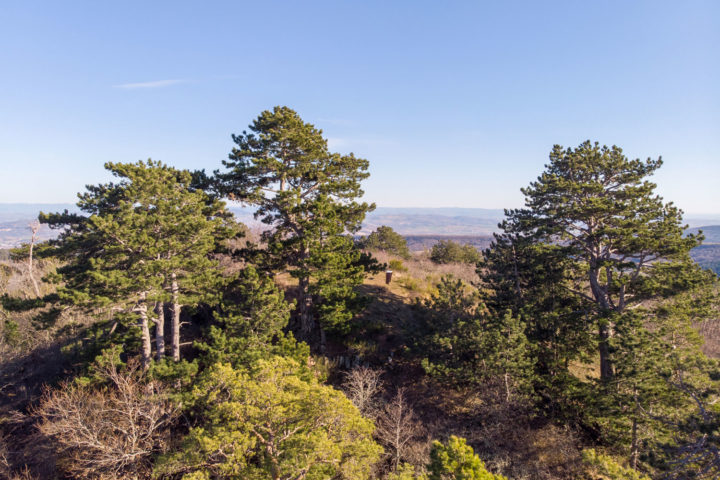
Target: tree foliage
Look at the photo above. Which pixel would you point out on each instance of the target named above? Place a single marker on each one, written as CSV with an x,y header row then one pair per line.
x,y
307,194
145,240
456,460
275,421
447,251
626,243
467,346
386,239
597,261
250,323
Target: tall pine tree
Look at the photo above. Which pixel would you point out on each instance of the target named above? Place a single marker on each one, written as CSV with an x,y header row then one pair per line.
x,y
601,208
144,242
308,195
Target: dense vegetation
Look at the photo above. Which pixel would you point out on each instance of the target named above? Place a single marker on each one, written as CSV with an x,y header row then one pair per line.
x,y
156,337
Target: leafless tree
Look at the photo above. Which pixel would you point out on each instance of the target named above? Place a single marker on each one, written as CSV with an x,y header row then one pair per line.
x,y
362,386
399,429
34,228
111,432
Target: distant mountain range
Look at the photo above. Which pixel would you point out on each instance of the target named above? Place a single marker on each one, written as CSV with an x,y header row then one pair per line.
x,y
422,226
710,232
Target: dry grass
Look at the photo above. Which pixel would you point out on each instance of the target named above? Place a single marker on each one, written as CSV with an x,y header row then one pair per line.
x,y
420,275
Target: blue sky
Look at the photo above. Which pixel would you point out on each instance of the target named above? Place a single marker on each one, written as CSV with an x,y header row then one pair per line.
x,y
454,103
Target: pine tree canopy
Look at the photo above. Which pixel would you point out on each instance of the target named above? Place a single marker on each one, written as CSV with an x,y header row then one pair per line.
x,y
307,194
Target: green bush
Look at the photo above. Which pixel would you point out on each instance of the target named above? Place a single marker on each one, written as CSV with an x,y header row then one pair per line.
x,y
447,251
397,266
456,460
409,283
604,466
387,240
11,333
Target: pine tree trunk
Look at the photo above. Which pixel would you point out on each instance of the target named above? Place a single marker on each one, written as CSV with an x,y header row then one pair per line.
x,y
634,447
175,323
160,330
323,341
146,346
507,388
606,367
307,322
604,329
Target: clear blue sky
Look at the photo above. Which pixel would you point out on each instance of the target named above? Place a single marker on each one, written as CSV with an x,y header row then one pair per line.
x,y
454,103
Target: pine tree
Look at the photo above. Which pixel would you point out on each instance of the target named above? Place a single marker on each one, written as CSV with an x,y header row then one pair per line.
x,y
467,345
251,321
658,362
388,240
597,259
145,241
599,205
308,196
533,282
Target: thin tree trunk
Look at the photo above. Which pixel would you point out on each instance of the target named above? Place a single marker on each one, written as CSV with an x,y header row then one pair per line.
x,y
634,447
507,388
146,346
604,327
307,322
34,227
518,290
160,330
606,367
175,323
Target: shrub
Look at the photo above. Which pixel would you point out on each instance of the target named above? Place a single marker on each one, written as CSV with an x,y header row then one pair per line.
x,y
397,266
273,421
600,465
447,251
387,240
456,460
111,432
410,284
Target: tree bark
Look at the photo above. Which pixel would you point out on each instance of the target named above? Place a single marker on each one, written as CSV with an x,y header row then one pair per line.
x,y
606,366
175,322
146,345
160,330
604,327
634,447
507,387
307,322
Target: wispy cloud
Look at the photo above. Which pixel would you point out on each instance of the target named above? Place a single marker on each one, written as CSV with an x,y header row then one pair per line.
x,y
153,84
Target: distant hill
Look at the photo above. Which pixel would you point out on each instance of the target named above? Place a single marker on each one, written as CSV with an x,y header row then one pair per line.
x,y
418,243
15,219
423,227
435,221
711,233
15,233
707,256
26,212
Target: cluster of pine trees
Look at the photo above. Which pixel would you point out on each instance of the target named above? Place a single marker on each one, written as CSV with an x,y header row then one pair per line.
x,y
198,365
